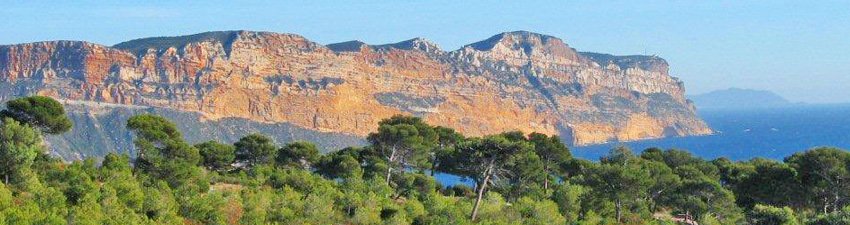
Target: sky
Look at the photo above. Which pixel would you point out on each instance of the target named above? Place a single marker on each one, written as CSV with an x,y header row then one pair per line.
x,y
798,49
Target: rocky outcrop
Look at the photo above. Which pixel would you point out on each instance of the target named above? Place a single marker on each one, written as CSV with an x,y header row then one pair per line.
x,y
512,81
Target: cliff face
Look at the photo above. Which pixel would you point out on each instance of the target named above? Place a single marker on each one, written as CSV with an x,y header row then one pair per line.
x,y
511,81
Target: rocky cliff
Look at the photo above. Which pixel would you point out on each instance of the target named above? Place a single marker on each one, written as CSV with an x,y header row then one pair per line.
x,y
511,81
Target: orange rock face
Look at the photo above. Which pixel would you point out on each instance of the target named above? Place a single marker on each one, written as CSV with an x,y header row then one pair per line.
x,y
511,81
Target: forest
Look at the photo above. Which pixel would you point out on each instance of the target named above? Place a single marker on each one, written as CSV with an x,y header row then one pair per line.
x,y
518,179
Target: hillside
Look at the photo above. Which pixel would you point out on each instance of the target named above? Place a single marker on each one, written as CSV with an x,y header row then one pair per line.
x,y
230,83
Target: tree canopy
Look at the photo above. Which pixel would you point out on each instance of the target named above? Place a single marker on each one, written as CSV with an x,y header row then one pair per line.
x,y
41,112
255,149
299,154
403,141
217,156
164,155
518,179
19,146
486,160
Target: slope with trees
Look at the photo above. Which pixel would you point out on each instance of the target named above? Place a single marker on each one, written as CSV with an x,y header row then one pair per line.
x,y
519,179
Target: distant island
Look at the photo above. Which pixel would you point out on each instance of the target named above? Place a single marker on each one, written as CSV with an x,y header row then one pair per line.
x,y
738,98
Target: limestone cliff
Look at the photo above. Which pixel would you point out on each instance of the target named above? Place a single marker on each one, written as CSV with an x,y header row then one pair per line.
x,y
511,81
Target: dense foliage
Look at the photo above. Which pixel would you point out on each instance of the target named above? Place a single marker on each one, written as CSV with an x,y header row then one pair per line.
x,y
40,112
519,179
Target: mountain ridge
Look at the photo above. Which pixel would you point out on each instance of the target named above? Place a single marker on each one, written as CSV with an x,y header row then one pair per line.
x,y
523,81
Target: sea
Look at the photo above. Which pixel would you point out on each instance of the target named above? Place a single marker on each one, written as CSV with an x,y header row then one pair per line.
x,y
742,134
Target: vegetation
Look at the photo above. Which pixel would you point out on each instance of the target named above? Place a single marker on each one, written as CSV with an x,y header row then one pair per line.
x,y
518,179
40,112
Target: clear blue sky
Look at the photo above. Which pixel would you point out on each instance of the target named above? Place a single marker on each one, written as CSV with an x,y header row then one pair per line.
x,y
798,49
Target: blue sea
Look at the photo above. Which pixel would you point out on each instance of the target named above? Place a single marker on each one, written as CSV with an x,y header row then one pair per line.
x,y
773,133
